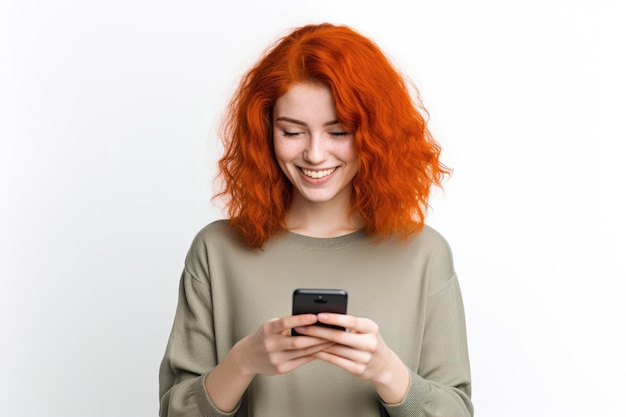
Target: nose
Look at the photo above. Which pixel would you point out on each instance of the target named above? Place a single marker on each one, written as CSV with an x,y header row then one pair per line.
x,y
315,150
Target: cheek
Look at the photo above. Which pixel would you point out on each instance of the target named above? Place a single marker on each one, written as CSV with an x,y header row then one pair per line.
x,y
284,151
348,153
279,152
351,158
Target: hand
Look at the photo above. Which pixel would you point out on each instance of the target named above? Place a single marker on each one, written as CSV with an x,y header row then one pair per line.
x,y
361,351
271,350
268,351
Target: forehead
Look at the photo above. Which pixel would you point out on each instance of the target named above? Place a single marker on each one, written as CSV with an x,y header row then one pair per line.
x,y
306,101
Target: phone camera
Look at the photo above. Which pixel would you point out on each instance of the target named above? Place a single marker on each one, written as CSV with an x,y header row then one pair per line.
x,y
321,300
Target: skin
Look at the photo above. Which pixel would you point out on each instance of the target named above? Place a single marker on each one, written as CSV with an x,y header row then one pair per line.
x,y
310,142
318,157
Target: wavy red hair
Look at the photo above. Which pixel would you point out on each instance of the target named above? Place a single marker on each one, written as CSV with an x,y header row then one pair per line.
x,y
398,158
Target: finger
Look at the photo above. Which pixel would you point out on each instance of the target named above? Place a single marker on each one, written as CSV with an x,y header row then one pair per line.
x,y
328,334
353,367
292,364
297,354
349,353
305,342
309,350
351,323
367,342
282,324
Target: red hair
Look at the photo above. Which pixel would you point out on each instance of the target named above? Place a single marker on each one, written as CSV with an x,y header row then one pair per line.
x,y
398,158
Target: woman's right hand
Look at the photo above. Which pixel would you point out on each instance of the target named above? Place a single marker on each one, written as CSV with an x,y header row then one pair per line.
x,y
271,350
268,351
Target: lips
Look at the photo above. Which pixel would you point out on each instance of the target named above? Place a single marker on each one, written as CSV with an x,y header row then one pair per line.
x,y
317,174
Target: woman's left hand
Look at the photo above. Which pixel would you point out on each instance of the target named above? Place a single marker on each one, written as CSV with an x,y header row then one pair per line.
x,y
362,351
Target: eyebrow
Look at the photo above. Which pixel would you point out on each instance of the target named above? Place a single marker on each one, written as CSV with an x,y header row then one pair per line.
x,y
301,123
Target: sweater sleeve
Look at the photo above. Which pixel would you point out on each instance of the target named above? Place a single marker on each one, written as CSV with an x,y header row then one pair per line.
x,y
190,354
441,386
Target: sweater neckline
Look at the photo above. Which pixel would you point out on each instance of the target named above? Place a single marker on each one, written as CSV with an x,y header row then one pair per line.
x,y
324,243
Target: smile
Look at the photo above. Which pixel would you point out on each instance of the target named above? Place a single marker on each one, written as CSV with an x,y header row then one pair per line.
x,y
317,174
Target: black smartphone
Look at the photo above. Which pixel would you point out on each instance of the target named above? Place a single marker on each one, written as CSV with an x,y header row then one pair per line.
x,y
319,301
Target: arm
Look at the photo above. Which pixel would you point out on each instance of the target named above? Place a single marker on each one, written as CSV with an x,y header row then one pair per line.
x,y
190,353
362,352
193,382
442,387
268,351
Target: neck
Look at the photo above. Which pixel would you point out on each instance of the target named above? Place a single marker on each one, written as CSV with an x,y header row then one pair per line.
x,y
327,219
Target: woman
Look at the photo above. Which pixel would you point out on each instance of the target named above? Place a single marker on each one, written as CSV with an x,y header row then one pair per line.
x,y
327,173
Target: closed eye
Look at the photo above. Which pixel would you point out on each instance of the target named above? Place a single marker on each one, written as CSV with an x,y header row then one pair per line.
x,y
290,134
338,134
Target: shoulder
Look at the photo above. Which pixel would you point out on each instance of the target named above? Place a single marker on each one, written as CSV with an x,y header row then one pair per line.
x,y
216,232
426,247
432,242
211,240
212,230
440,264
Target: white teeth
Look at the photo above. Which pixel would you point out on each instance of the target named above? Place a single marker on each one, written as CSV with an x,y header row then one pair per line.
x,y
318,174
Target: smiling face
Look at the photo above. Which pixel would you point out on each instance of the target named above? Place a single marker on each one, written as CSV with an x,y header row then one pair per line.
x,y
312,148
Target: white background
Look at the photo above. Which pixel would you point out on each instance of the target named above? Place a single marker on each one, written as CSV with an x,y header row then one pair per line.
x,y
109,111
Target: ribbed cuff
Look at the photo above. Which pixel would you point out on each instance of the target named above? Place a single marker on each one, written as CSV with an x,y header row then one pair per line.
x,y
205,405
414,400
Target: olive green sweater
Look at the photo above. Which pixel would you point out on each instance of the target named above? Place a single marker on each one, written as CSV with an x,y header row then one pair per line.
x,y
228,291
